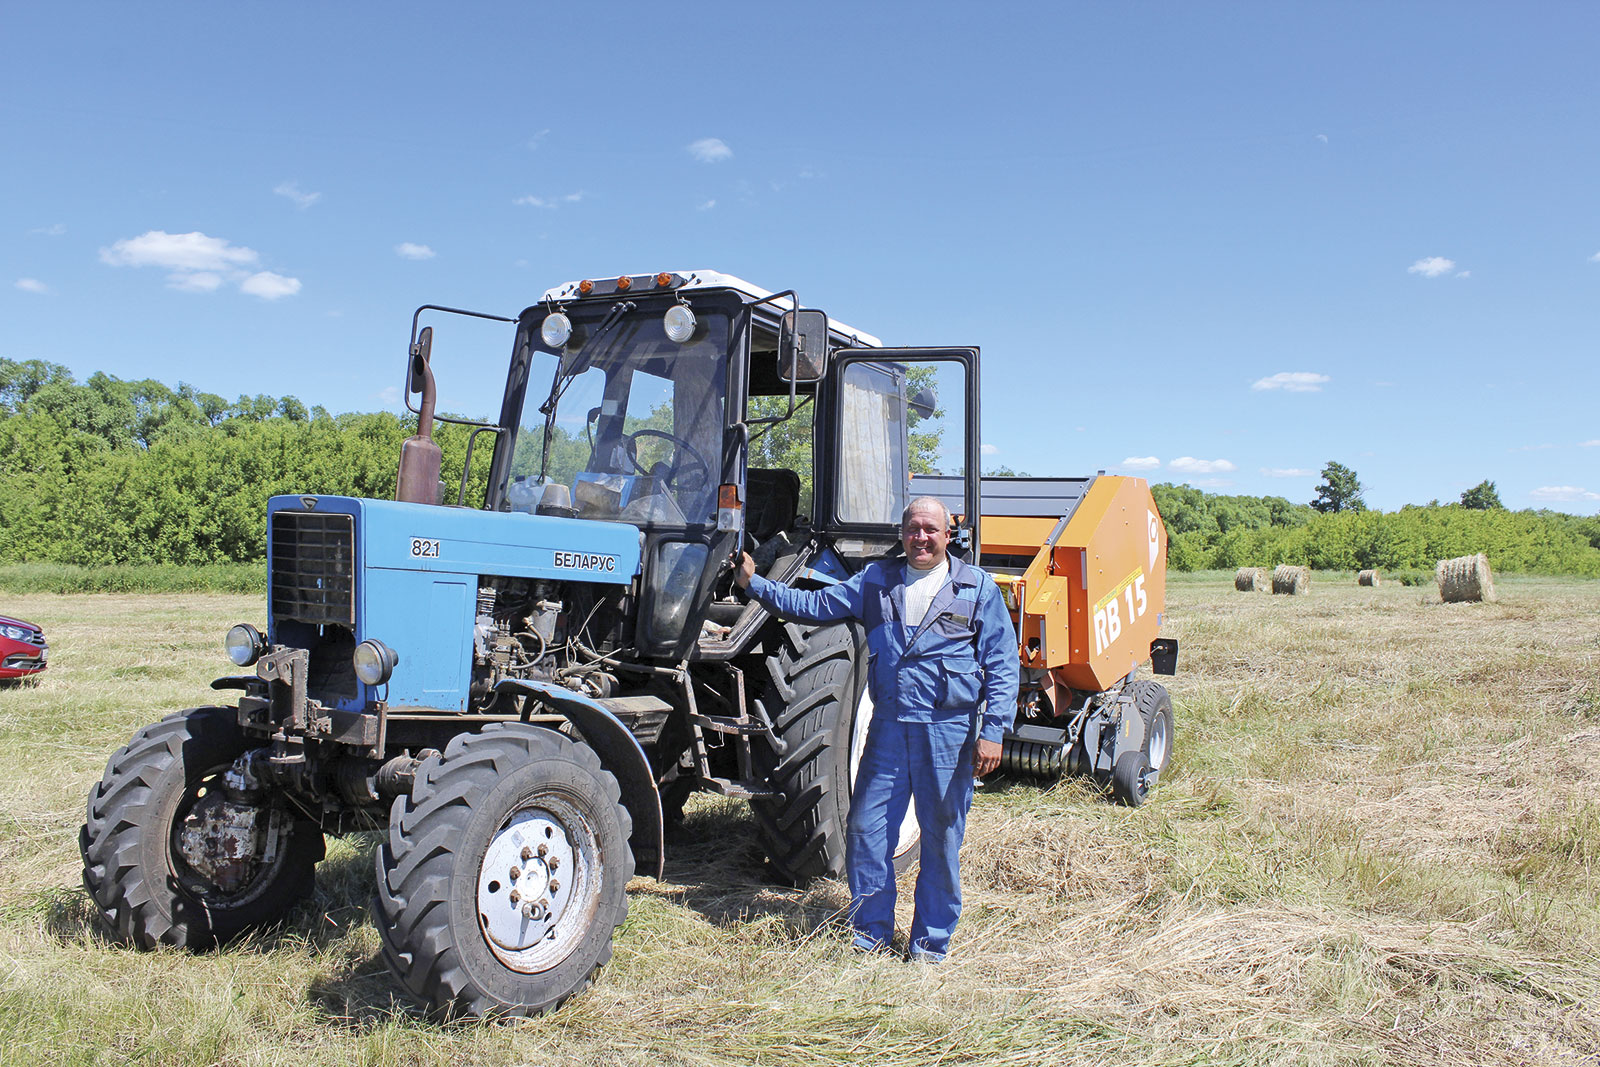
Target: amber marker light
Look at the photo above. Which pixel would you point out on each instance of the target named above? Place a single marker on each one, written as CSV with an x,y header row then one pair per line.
x,y
663,280
730,513
624,283
586,287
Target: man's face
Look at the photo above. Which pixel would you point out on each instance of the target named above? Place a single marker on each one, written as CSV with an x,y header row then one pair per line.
x,y
925,537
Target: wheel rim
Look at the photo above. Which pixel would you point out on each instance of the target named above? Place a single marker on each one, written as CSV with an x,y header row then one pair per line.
x,y
1159,741
910,830
224,853
539,884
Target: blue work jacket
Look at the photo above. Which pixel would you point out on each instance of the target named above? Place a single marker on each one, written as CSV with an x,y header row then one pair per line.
x,y
962,659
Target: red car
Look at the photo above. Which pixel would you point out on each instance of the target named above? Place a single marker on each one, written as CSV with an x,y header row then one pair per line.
x,y
22,648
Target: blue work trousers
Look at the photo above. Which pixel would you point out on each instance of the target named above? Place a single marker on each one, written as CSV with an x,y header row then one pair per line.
x,y
929,764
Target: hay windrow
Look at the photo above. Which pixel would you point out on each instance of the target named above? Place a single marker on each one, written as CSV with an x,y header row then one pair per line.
x,y
1291,580
1250,580
1465,579
1369,578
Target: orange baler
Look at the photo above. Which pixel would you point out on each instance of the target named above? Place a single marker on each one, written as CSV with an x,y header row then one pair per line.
x,y
1082,563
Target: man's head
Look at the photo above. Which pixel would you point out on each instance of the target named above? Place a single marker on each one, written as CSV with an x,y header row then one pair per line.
x,y
925,532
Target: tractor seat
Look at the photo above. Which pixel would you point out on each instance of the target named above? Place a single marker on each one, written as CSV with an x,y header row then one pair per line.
x,y
774,501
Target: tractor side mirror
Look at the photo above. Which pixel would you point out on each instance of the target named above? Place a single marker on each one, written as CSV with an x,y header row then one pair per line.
x,y
925,403
803,345
421,352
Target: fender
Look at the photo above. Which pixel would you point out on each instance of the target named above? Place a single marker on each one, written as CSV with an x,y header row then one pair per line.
x,y
621,754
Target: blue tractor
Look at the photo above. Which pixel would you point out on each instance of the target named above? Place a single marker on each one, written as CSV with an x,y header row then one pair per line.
x,y
520,690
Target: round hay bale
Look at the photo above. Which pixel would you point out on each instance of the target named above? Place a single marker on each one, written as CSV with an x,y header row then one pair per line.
x,y
1368,578
1465,579
1250,580
1291,580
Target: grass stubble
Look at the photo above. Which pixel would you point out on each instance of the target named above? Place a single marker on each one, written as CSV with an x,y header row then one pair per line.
x,y
1377,843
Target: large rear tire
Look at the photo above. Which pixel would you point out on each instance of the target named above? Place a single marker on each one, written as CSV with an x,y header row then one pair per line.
x,y
815,697
505,873
169,859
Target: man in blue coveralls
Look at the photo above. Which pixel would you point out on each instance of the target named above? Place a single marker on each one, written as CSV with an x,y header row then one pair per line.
x,y
943,680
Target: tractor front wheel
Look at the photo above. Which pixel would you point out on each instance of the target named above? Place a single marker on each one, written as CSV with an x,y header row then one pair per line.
x,y
505,873
170,859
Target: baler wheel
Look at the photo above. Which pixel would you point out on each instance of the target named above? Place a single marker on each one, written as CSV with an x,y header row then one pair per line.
x,y
1136,773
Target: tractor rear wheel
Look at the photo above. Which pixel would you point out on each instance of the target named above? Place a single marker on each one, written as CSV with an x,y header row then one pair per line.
x,y
504,876
170,859
815,695
1137,772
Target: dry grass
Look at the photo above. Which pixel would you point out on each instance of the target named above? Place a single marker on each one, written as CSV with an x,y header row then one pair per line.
x,y
1378,843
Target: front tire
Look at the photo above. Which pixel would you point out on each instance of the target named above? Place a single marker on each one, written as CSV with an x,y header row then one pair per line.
x,y
504,875
169,859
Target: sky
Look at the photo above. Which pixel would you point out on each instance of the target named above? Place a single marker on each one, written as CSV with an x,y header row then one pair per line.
x,y
1216,244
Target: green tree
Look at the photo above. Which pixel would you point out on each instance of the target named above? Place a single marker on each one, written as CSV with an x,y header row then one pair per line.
x,y
1482,497
1340,490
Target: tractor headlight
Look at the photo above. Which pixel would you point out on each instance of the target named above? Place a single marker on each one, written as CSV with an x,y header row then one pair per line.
x,y
245,644
374,661
679,323
556,330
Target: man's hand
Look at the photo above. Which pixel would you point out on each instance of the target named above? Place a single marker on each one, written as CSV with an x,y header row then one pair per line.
x,y
987,758
745,569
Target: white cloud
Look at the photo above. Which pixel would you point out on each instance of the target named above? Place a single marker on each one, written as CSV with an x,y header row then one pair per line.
x,y
710,150
1563,493
1322,137
1432,267
199,281
538,138
1590,444
199,263
988,449
1288,472
57,229
390,395
407,250
1141,463
1592,259
1190,465
1296,381
32,285
548,201
269,286
706,205
1208,483
178,251
292,191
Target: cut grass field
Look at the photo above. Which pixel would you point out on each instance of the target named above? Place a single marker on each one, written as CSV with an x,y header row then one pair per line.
x,y
1377,843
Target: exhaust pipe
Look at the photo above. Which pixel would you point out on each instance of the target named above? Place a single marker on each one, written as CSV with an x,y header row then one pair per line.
x,y
420,456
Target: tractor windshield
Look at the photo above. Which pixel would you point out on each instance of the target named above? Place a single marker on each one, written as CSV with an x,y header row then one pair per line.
x,y
627,420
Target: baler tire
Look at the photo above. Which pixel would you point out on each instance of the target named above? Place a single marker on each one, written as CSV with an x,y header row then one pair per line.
x,y
472,810
1135,773
147,893
813,695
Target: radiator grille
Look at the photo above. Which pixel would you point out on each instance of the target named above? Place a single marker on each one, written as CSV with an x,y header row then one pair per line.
x,y
313,567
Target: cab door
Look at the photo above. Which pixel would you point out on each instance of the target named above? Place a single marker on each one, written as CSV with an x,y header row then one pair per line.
x,y
898,423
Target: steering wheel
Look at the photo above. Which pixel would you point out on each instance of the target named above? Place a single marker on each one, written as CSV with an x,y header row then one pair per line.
x,y
689,479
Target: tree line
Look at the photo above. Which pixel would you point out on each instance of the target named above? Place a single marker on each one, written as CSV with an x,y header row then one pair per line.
x,y
107,471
